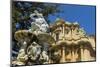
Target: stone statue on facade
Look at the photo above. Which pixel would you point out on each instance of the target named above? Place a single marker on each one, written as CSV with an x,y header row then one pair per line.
x,y
82,32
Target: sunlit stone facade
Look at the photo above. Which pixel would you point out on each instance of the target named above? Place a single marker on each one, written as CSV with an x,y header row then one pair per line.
x,y
72,43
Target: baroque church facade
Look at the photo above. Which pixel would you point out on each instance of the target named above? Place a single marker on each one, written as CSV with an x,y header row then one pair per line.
x,y
72,43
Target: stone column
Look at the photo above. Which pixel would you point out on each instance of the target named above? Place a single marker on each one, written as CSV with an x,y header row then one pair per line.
x,y
73,55
63,32
63,54
63,29
50,61
82,53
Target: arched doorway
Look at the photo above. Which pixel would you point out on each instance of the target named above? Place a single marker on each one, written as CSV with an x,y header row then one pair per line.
x,y
86,52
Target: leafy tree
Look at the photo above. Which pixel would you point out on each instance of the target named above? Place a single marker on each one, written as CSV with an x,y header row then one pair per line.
x,y
22,10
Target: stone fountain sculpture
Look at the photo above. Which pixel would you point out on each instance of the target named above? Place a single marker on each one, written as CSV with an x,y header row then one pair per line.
x,y
39,24
32,49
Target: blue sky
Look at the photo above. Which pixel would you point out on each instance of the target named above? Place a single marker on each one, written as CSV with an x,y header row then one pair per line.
x,y
84,15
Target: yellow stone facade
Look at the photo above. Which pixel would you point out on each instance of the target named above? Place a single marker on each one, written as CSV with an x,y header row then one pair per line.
x,y
72,42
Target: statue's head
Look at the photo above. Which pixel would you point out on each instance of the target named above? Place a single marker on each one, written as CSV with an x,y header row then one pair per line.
x,y
34,44
35,11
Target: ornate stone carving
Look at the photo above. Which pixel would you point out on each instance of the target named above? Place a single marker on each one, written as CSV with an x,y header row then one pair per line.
x,y
39,23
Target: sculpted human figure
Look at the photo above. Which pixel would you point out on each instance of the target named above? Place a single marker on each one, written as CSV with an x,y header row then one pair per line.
x,y
39,22
44,58
21,58
34,51
82,32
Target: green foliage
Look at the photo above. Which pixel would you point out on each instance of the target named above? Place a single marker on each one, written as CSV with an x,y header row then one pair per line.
x,y
45,9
